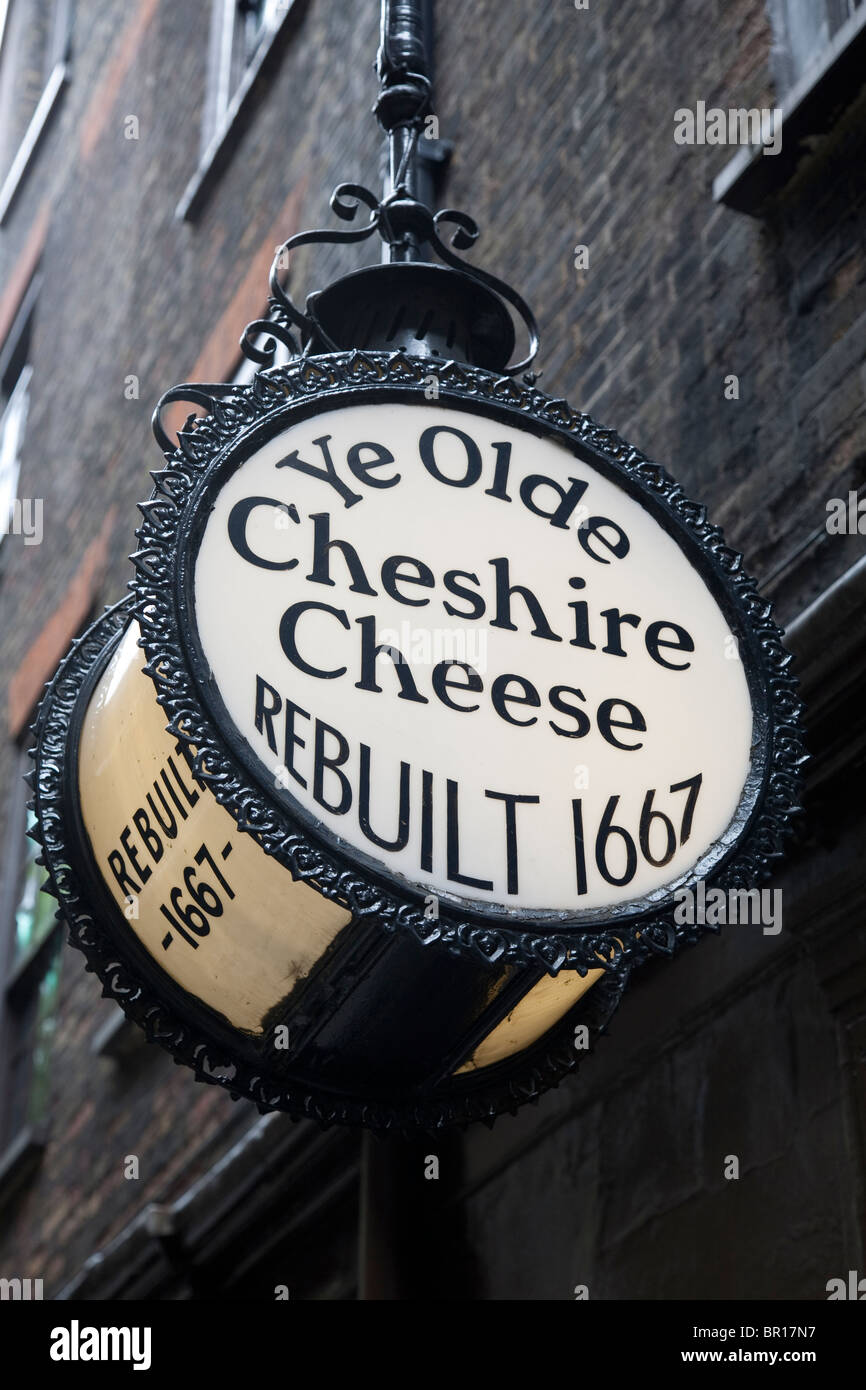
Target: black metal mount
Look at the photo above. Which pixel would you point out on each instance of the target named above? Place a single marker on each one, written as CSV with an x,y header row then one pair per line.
x,y
455,311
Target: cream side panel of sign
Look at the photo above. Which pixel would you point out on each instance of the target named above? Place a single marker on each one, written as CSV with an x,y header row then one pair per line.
x,y
222,918
539,1009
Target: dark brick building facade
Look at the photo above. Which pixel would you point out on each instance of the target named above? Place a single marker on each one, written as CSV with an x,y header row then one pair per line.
x,y
134,245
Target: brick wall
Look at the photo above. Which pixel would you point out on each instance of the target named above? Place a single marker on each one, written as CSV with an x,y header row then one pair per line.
x,y
129,290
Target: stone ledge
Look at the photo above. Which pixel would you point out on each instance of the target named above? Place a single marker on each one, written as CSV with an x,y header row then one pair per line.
x,y
811,108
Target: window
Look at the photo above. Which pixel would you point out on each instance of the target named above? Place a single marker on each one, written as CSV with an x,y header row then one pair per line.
x,y
802,31
12,425
34,51
246,39
239,29
15,375
817,57
30,966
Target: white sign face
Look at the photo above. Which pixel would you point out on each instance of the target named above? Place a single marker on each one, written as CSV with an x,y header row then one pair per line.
x,y
473,658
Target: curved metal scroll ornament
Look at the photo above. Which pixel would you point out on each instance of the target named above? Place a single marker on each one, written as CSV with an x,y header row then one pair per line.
x,y
466,235
628,936
345,201
391,217
276,331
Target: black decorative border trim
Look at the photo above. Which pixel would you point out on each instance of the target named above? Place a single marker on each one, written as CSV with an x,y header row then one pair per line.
x,y
270,402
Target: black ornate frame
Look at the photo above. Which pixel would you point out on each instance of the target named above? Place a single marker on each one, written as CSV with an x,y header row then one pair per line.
x,y
239,423
236,424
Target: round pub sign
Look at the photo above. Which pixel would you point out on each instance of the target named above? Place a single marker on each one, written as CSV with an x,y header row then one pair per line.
x,y
431,700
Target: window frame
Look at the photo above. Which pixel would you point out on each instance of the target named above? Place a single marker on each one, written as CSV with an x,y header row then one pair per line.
x,y
221,128
57,78
786,75
749,179
21,388
17,345
226,67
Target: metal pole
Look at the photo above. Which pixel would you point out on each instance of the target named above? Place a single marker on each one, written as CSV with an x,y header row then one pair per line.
x,y
404,65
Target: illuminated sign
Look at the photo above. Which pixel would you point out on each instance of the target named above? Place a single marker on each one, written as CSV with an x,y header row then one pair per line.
x,y
430,696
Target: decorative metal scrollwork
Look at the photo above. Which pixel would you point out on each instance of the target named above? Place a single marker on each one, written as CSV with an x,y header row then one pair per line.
x,y
393,218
